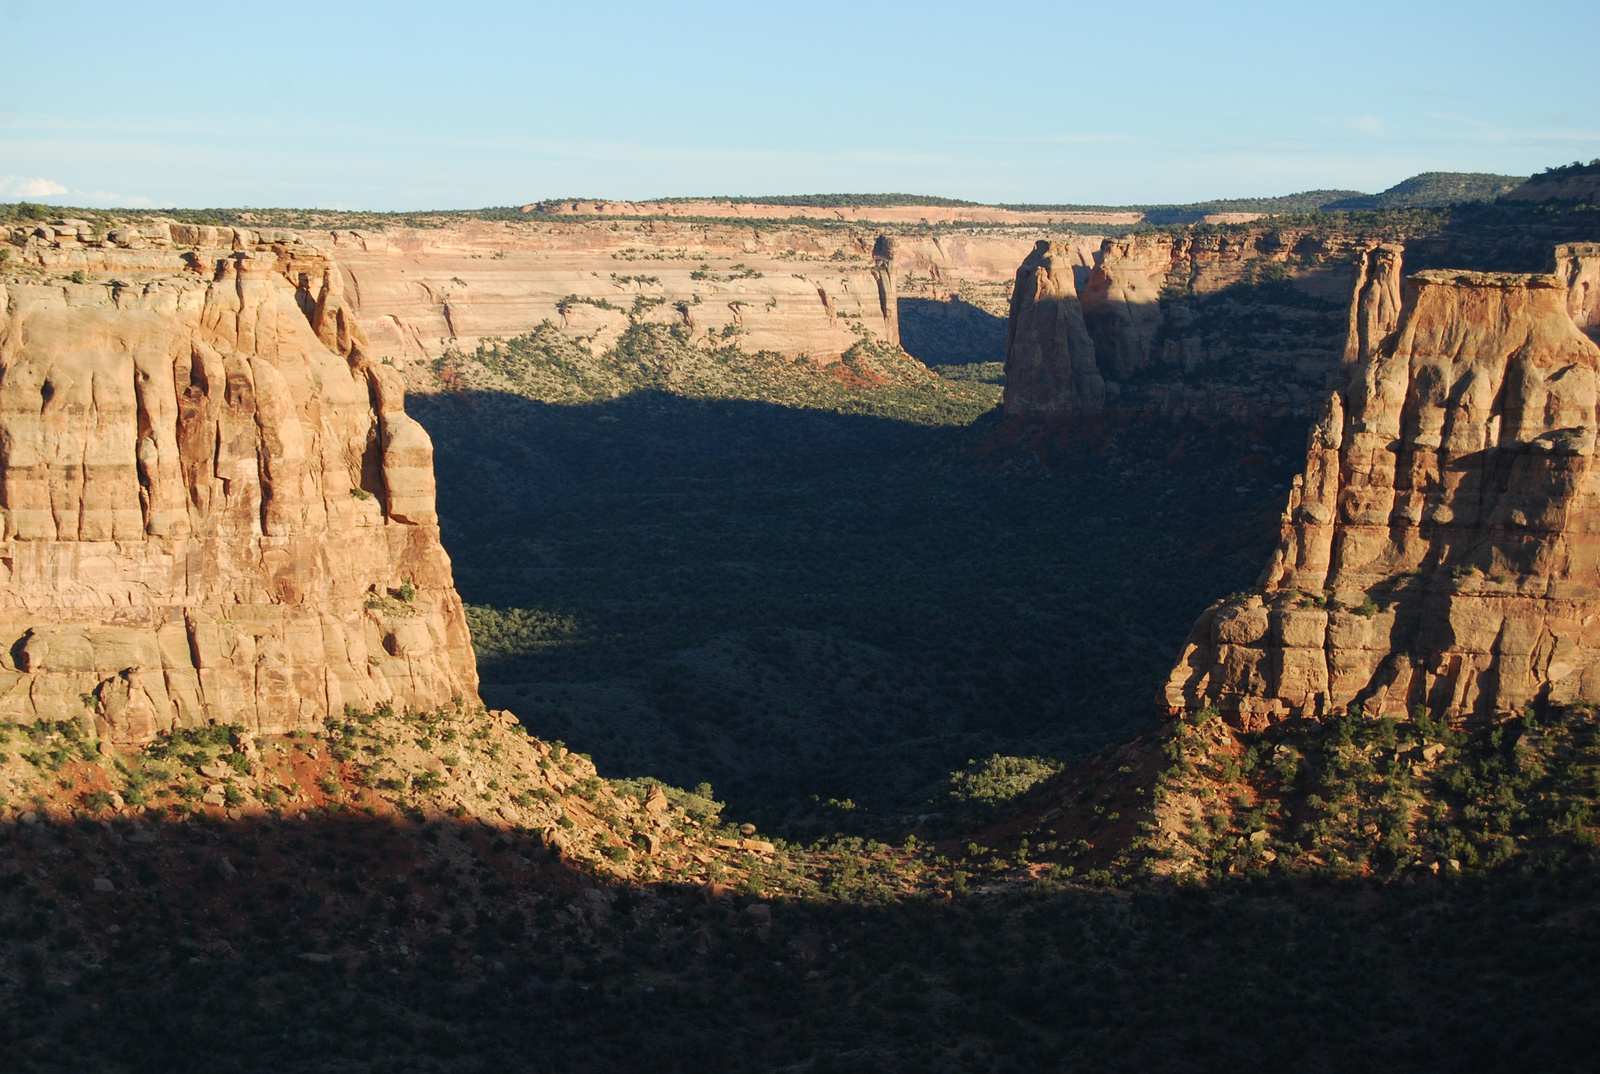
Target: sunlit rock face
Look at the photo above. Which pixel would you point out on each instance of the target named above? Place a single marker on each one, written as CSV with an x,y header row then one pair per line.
x,y
1122,303
1050,359
1440,548
213,503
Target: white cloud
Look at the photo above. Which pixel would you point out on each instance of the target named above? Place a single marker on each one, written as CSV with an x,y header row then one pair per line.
x,y
21,186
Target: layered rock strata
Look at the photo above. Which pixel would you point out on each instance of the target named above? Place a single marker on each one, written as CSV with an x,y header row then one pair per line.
x,y
214,506
420,291
1179,329
1439,548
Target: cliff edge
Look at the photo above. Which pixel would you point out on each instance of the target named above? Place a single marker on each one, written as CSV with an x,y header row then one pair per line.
x,y
214,506
1438,549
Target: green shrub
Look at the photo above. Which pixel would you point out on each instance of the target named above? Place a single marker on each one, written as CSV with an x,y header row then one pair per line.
x,y
999,779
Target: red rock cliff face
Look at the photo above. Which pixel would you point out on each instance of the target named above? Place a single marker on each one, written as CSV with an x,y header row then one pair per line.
x,y
1177,327
209,500
1050,362
1122,302
1578,266
1441,547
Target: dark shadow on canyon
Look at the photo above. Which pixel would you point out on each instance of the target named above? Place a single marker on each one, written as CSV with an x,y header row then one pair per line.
x,y
951,334
338,942
787,603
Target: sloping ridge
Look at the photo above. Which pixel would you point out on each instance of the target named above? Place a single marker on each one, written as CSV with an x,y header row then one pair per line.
x,y
1439,548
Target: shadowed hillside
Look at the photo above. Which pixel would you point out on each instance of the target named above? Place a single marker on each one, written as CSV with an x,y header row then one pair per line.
x,y
788,603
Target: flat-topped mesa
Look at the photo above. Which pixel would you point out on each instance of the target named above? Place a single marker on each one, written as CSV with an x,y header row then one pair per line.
x,y
1440,548
214,506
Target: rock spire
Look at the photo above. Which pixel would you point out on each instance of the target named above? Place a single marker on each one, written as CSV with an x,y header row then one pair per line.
x,y
1439,548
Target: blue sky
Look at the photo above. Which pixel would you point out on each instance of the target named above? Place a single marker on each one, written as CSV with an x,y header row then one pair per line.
x,y
401,105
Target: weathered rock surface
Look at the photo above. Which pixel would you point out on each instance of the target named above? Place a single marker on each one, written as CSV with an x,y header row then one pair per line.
x,y
1122,302
1179,329
798,291
417,291
1578,266
212,499
1050,359
1438,549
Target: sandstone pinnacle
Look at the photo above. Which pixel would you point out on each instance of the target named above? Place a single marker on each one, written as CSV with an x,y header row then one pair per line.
x,y
1438,548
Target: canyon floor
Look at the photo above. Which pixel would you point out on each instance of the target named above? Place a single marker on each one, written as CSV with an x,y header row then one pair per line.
x,y
840,601
712,593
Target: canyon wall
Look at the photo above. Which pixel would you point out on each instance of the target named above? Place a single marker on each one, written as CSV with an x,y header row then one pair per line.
x,y
1224,325
788,287
418,291
1439,548
213,506
1578,266
800,292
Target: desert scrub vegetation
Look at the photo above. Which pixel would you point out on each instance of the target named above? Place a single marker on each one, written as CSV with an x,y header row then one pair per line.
x,y
549,366
792,601
344,941
998,780
501,635
1355,796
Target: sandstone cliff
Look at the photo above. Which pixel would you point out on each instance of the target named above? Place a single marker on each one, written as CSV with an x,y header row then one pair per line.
x,y
1050,359
1437,549
789,287
1218,325
1122,302
798,292
418,291
1578,266
214,506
